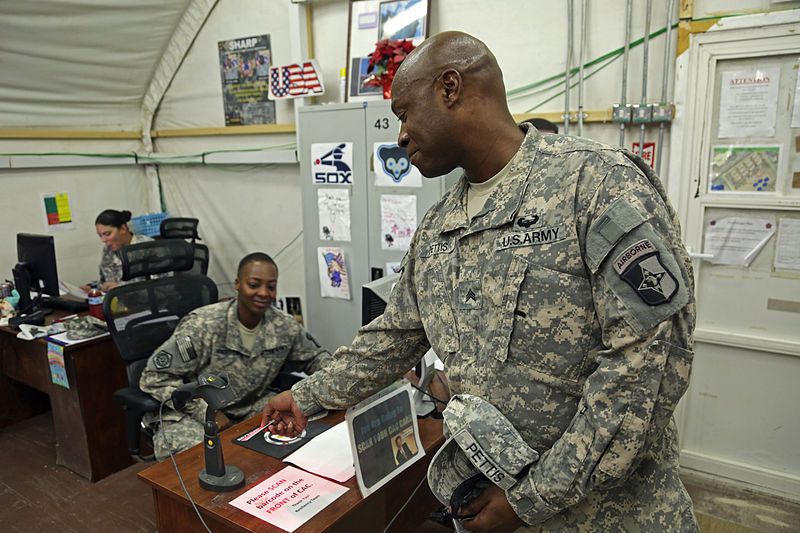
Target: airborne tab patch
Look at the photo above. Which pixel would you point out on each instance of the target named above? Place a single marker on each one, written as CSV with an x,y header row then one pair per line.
x,y
648,276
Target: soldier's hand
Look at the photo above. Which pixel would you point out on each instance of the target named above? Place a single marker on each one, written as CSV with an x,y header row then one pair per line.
x,y
287,418
494,513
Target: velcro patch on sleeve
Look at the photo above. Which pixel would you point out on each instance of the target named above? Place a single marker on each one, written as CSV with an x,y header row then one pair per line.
x,y
651,280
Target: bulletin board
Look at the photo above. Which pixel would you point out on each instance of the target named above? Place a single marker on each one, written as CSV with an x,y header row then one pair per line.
x,y
758,300
748,182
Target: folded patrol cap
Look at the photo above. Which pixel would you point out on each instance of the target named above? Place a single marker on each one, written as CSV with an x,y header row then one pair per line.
x,y
480,440
84,327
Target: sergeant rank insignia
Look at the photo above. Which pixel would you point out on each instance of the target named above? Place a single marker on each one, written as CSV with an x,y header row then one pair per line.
x,y
641,267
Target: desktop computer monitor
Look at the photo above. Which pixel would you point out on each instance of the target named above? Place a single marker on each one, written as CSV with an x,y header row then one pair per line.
x,y
374,296
36,268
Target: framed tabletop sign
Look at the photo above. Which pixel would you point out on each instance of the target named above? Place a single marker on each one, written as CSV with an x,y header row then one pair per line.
x,y
371,21
384,436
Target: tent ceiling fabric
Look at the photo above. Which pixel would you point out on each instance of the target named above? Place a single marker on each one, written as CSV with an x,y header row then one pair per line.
x,y
81,64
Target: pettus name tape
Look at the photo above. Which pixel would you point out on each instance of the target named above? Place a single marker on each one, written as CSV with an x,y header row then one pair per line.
x,y
534,237
444,247
482,462
624,259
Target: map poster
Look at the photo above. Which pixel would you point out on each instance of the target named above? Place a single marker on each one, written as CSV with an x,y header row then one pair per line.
x,y
750,169
244,69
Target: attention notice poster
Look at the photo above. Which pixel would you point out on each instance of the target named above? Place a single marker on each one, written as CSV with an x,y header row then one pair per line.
x,y
244,68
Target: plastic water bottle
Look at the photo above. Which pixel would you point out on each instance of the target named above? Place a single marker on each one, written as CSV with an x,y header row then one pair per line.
x,y
95,302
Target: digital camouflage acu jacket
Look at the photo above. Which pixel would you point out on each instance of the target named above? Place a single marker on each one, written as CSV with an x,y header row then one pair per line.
x,y
566,302
214,332
111,264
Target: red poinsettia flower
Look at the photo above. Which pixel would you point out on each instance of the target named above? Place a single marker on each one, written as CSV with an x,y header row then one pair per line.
x,y
385,60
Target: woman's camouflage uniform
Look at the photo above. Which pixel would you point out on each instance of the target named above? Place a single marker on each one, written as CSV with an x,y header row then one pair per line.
x,y
111,264
567,303
214,332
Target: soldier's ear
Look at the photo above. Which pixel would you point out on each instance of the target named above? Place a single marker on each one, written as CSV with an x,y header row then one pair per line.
x,y
236,284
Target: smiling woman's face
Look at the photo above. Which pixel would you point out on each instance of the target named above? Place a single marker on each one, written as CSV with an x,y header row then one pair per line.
x,y
256,287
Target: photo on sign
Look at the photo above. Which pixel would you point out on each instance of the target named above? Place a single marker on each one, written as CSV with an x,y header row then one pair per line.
x,y
744,169
384,436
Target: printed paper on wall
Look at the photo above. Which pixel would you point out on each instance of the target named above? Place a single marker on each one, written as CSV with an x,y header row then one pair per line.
x,y
398,220
333,278
334,214
748,103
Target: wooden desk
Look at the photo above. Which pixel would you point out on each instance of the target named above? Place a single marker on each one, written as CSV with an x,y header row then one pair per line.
x,y
89,425
349,513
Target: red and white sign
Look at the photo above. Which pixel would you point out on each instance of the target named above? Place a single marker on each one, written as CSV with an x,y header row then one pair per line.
x,y
295,80
649,152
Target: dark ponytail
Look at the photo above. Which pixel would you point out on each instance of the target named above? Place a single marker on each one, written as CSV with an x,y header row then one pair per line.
x,y
112,217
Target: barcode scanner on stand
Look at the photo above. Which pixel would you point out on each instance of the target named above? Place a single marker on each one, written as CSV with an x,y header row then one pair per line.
x,y
217,392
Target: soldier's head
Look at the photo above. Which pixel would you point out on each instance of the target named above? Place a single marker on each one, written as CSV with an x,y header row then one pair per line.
x,y
256,287
449,96
112,228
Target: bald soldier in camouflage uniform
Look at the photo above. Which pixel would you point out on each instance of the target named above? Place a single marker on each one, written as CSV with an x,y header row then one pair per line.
x,y
246,337
566,301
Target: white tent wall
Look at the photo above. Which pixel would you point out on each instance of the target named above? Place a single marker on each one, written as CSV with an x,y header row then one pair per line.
x,y
90,190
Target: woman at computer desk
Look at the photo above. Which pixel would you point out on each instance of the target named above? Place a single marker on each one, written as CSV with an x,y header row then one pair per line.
x,y
112,228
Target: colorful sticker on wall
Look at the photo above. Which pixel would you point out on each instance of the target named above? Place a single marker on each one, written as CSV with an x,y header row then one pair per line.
x,y
393,168
398,220
57,214
333,278
334,214
332,163
295,80
58,370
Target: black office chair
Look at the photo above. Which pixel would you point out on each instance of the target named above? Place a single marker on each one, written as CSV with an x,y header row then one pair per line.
x,y
186,228
142,315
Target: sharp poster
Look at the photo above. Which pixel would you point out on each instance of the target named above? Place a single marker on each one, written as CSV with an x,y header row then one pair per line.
x,y
244,67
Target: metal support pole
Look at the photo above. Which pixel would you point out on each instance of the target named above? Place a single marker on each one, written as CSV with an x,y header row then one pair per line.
x,y
644,69
623,99
665,84
569,67
580,68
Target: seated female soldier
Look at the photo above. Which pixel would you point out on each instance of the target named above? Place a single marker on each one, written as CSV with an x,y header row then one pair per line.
x,y
112,228
247,337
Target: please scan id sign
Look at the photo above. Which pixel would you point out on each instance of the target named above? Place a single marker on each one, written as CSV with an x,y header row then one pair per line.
x,y
289,498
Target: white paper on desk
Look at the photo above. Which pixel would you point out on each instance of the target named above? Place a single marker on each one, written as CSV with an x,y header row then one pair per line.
x,y
28,332
328,454
74,290
289,498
